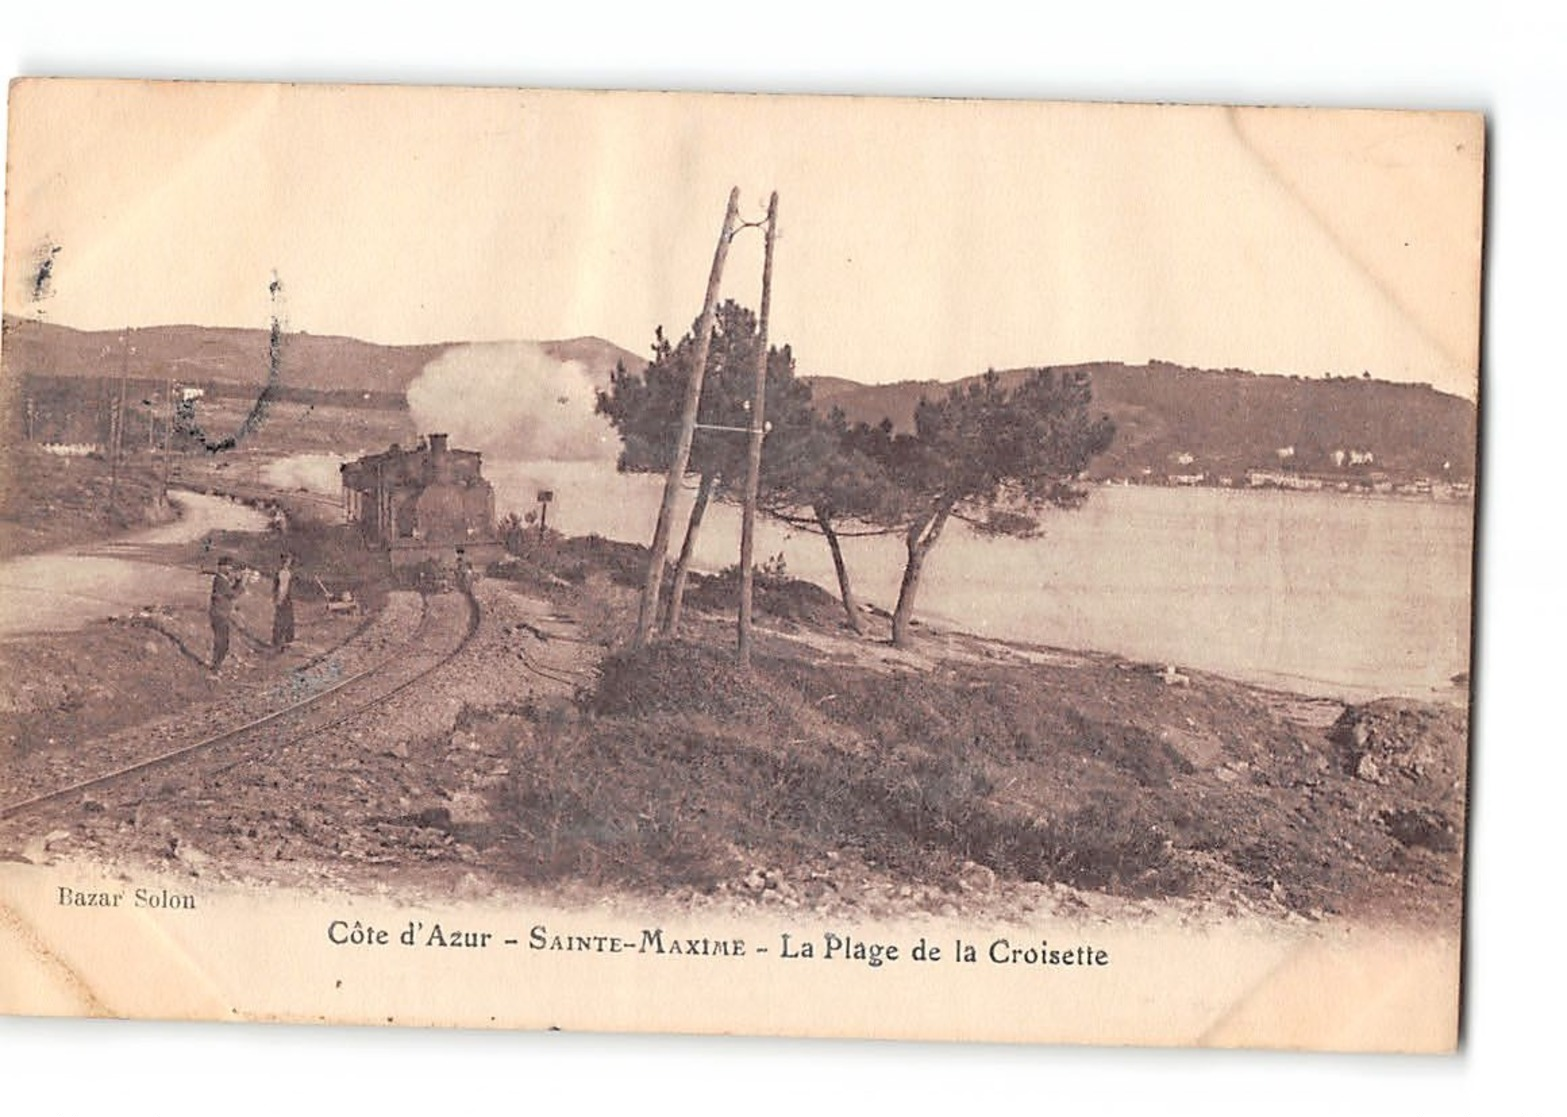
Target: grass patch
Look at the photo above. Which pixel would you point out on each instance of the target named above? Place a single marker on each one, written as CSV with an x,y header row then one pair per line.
x,y
47,501
679,770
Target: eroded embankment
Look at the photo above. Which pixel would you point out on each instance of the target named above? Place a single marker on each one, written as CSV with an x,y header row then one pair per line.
x,y
1102,776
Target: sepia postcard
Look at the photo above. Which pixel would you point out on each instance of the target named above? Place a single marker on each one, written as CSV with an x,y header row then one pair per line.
x,y
802,566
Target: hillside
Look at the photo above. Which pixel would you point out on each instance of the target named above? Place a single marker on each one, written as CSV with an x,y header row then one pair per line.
x,y
1171,420
595,354
201,355
1229,421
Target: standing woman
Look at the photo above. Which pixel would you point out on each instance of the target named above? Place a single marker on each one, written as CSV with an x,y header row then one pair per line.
x,y
283,603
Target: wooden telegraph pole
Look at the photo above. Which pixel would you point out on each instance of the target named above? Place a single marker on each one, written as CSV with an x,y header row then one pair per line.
x,y
677,466
168,430
117,424
753,470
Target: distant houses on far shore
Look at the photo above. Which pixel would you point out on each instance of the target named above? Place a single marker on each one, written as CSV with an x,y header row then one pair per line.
x,y
72,449
1377,483
1343,470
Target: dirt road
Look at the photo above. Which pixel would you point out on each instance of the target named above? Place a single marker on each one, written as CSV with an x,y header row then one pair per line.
x,y
61,591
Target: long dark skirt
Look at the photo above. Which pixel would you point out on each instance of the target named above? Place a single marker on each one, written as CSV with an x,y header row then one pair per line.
x,y
283,624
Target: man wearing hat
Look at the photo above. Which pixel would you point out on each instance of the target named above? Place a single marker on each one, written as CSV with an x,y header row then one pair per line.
x,y
226,585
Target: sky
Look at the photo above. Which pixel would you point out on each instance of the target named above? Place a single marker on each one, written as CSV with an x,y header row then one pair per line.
x,y
918,239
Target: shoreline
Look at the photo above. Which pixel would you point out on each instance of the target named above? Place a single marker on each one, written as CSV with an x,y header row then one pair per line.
x,y
1285,686
1411,682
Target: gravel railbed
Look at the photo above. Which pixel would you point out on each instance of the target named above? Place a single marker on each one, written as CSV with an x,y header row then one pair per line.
x,y
390,630
399,785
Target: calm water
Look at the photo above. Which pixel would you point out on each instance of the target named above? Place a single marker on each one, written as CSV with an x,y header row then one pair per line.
x,y
1327,593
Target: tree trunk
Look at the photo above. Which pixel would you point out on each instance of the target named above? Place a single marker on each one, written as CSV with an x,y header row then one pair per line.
x,y
921,537
851,607
677,592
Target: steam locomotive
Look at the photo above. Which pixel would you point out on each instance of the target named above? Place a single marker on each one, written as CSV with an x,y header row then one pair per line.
x,y
430,504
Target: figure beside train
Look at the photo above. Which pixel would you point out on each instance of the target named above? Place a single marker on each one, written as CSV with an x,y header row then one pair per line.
x,y
430,504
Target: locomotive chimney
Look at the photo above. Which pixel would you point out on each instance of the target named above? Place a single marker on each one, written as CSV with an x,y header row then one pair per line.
x,y
440,460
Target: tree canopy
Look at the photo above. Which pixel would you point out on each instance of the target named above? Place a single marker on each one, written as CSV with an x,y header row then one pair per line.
x,y
991,457
644,408
820,480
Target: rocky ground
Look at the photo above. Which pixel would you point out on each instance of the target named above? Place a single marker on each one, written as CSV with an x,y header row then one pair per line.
x,y
842,777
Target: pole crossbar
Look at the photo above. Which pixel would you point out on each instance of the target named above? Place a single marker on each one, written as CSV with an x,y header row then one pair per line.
x,y
737,430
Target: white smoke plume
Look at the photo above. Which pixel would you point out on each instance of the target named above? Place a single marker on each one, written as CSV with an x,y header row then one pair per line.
x,y
316,473
514,402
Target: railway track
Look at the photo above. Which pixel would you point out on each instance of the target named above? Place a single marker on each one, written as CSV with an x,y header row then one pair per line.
x,y
353,682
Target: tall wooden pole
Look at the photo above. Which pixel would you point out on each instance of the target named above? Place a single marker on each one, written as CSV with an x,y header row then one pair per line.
x,y
117,424
168,430
677,466
753,472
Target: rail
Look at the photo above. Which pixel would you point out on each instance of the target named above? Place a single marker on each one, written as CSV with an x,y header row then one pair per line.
x,y
128,772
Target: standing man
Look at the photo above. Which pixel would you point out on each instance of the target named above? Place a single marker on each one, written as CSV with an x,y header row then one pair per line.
x,y
226,585
283,604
